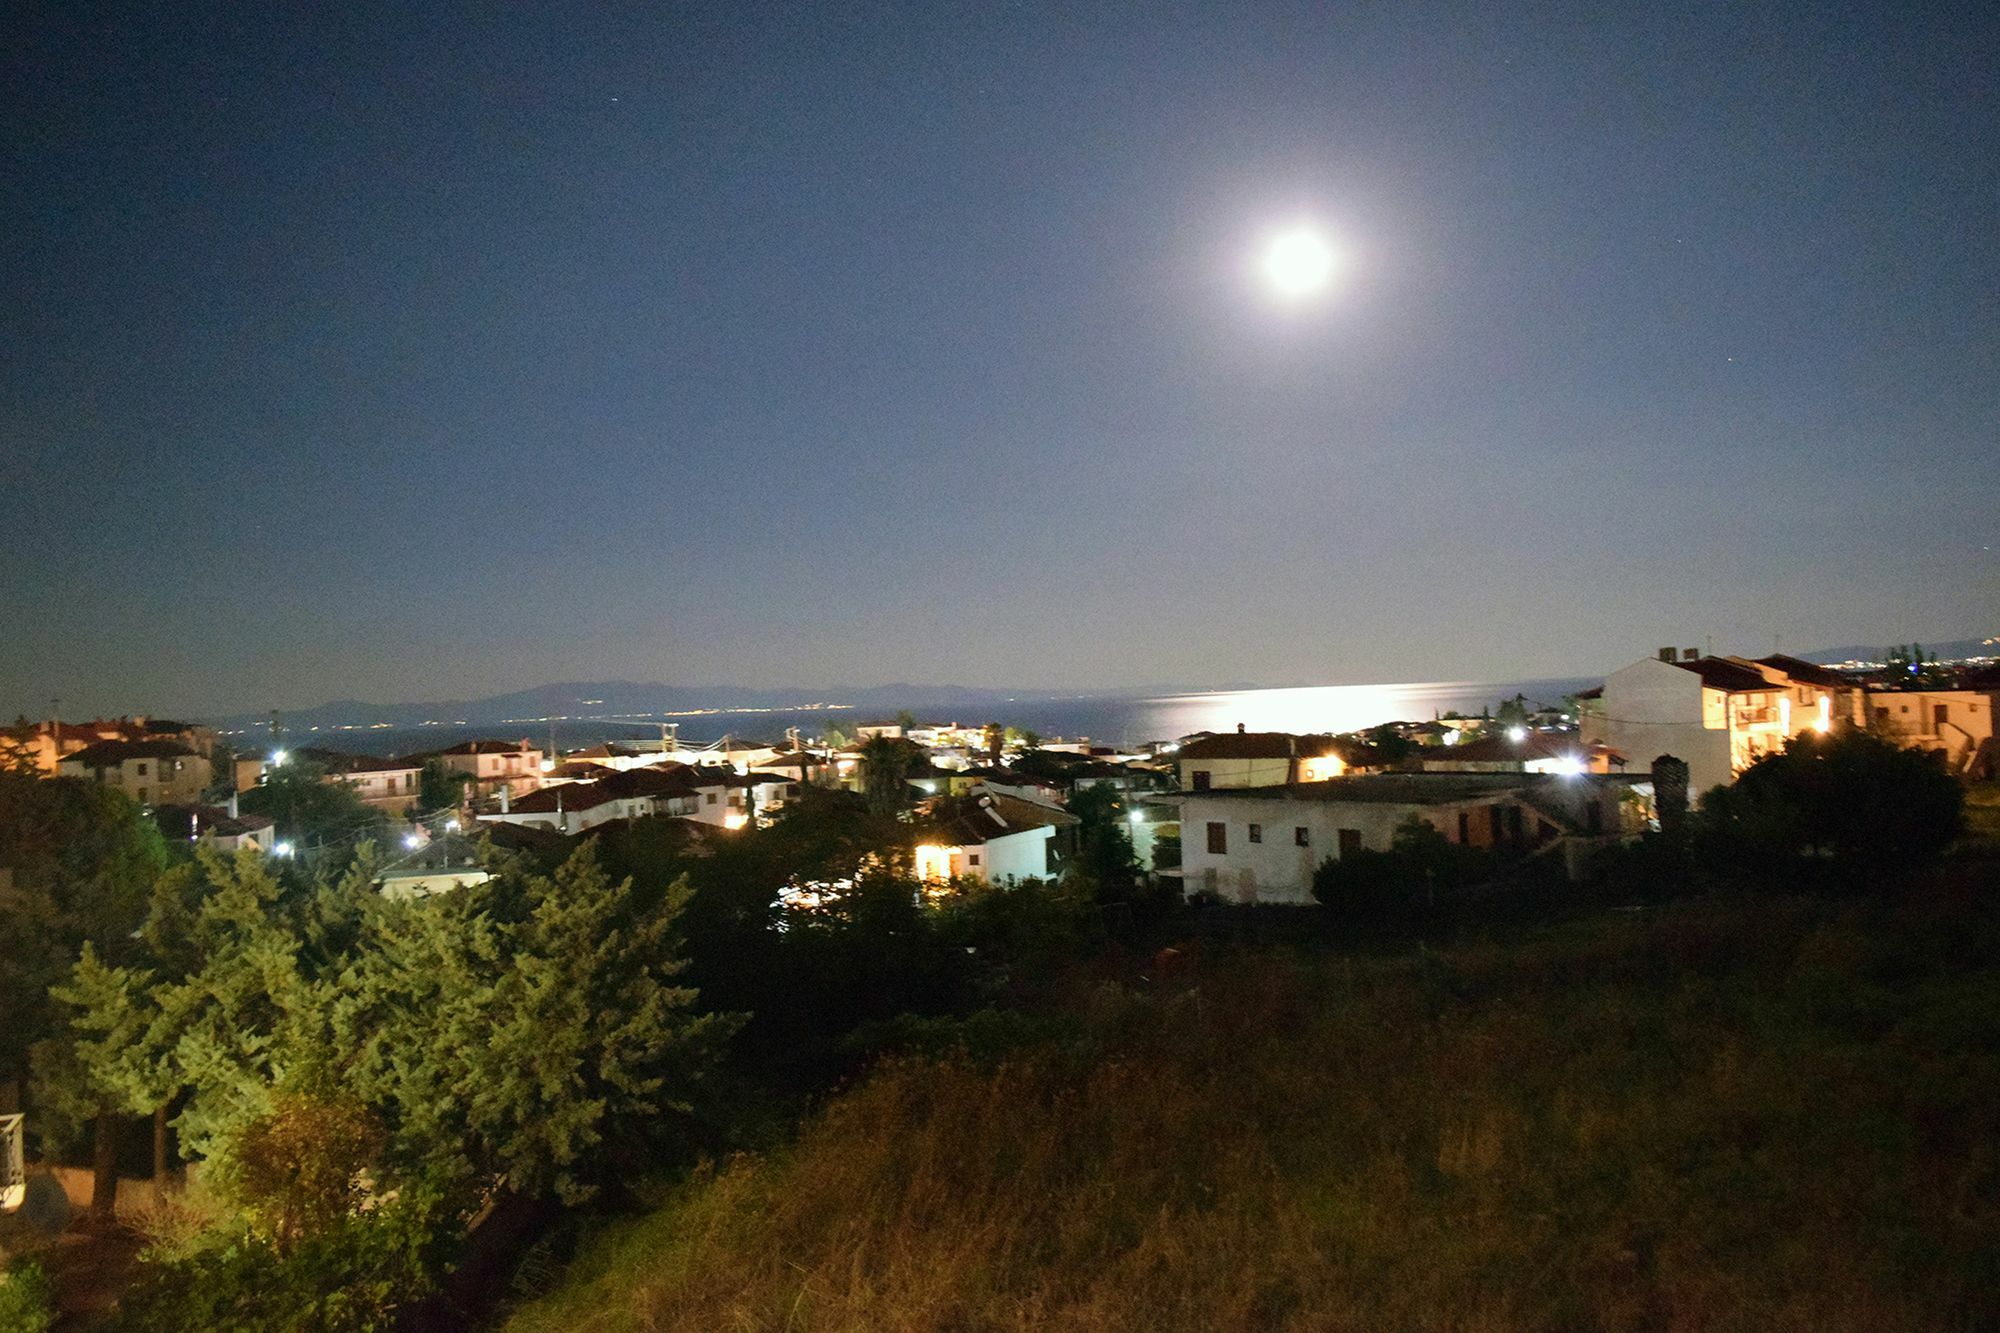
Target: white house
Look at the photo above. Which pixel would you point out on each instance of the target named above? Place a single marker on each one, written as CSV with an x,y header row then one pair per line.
x,y
990,837
569,807
1262,844
1269,759
389,785
217,826
1957,722
1718,714
1522,751
149,771
444,863
493,766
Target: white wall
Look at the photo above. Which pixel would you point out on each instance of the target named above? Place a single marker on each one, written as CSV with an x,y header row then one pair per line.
x,y
1278,870
1653,708
1015,856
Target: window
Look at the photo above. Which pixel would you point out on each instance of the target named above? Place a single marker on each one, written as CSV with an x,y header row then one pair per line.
x,y
711,798
972,858
1495,829
1218,839
1302,837
1256,833
141,767
1200,779
1350,842
1464,826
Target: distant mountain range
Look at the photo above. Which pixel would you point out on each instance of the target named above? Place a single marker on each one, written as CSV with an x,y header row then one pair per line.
x,y
608,699
1876,652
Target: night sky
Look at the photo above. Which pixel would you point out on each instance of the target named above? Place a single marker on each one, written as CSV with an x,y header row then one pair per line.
x,y
415,350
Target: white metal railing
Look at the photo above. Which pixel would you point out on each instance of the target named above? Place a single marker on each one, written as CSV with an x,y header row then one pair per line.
x,y
13,1165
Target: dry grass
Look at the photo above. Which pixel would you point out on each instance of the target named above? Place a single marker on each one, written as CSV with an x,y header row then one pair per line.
x,y
1720,1117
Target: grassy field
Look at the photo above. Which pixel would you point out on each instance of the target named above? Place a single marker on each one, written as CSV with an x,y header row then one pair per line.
x,y
1754,1114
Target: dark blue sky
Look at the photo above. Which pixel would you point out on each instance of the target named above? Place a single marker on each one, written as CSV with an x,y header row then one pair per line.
x,y
408,351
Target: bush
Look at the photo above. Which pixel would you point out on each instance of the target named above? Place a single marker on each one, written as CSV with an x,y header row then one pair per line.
x,y
298,1170
356,1277
27,1298
1850,809
1387,889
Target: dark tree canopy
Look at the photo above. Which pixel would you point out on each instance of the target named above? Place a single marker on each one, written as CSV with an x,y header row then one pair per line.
x,y
1851,807
308,809
77,864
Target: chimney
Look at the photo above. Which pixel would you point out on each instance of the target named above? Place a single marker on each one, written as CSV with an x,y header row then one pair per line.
x,y
1666,654
232,806
1240,728
1690,654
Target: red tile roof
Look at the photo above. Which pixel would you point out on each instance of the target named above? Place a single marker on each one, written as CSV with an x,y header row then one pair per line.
x,y
1720,674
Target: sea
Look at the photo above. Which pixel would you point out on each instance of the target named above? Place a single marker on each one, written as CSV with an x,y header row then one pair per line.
x,y
1127,722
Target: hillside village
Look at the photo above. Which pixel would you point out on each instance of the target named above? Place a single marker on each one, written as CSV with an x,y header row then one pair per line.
x,y
1238,817
896,871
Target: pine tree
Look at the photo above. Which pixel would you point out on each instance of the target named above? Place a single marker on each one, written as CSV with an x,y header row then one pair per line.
x,y
516,1028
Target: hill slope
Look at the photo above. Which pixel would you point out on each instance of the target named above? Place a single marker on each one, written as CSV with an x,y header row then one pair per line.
x,y
1760,1116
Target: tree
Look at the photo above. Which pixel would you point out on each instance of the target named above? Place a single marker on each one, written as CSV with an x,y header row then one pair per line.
x,y
1385,888
1104,860
1911,666
440,787
104,1066
1513,712
1391,742
297,1171
520,1027
1670,794
80,861
885,773
307,808
1849,808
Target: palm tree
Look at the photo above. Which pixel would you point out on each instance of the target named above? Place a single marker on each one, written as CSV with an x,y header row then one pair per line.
x,y
885,771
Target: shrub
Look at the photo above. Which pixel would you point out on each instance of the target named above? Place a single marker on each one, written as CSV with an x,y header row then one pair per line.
x,y
1849,808
357,1276
27,1298
297,1171
1385,889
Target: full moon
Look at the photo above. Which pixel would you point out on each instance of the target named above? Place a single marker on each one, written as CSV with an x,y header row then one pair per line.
x,y
1298,262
